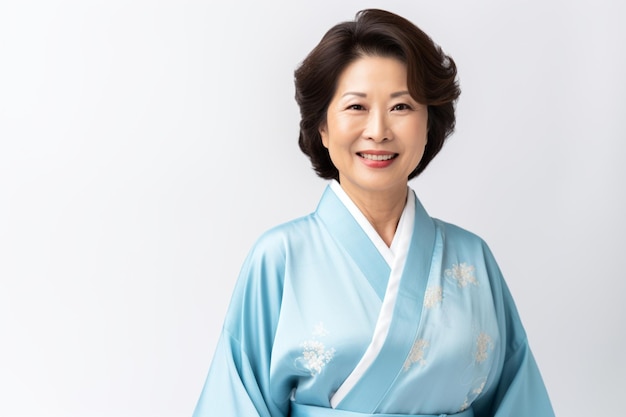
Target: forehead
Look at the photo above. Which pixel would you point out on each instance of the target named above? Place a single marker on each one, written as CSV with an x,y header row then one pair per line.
x,y
373,73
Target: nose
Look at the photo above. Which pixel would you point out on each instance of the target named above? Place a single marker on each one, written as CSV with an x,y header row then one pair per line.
x,y
377,127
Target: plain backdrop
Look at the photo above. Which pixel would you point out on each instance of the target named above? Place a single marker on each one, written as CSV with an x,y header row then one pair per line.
x,y
145,145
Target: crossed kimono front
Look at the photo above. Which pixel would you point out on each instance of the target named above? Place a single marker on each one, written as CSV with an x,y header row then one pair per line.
x,y
326,320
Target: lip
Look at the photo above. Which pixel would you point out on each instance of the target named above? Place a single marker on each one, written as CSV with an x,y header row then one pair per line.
x,y
382,158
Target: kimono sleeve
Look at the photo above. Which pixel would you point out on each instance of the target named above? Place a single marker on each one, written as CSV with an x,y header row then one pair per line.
x,y
238,382
520,391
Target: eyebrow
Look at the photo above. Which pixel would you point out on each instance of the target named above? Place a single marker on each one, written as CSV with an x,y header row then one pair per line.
x,y
393,95
400,93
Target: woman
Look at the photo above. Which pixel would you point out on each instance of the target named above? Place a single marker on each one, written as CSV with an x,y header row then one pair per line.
x,y
368,306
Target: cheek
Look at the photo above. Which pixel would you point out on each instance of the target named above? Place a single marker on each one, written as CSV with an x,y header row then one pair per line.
x,y
420,133
344,128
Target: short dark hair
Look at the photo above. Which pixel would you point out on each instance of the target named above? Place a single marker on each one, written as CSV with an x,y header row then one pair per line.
x,y
431,79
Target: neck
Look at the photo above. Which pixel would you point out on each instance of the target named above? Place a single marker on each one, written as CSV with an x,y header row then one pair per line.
x,y
382,209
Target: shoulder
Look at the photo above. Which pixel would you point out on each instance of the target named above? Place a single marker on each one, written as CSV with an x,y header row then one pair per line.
x,y
459,237
277,240
259,288
273,248
460,246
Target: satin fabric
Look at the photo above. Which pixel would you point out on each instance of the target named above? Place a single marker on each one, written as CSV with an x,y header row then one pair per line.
x,y
308,300
299,410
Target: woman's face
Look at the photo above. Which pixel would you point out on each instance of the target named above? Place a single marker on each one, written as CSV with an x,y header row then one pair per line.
x,y
375,131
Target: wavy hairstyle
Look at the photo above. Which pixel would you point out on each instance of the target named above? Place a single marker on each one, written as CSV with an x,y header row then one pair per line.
x,y
431,79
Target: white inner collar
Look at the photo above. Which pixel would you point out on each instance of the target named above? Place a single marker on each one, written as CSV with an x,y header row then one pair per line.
x,y
403,231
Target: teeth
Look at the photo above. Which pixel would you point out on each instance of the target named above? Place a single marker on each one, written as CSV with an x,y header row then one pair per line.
x,y
376,157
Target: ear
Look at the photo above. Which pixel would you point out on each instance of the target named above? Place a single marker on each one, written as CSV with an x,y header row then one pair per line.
x,y
324,134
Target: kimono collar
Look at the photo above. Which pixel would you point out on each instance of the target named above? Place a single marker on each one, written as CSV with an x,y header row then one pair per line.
x,y
403,232
352,237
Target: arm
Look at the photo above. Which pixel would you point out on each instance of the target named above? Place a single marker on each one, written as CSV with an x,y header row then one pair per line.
x,y
520,391
238,383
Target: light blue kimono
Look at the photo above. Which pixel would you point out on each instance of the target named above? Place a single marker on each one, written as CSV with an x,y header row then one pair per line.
x,y
322,324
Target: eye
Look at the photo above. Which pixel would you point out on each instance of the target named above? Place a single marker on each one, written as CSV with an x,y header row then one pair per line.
x,y
355,107
401,106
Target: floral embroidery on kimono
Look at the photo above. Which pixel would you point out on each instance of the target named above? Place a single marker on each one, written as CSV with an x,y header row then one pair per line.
x,y
462,273
433,296
484,345
315,354
416,355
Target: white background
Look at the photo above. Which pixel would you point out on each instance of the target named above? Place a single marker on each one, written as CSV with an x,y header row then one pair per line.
x,y
144,146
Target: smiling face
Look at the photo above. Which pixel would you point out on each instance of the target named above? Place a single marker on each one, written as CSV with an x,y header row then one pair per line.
x,y
375,131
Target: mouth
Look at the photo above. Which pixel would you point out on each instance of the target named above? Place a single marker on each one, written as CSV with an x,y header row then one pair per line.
x,y
377,157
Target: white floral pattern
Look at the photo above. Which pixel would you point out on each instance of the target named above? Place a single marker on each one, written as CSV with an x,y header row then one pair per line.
x,y
315,354
462,273
484,345
469,399
481,387
416,355
319,330
465,405
433,296
479,368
